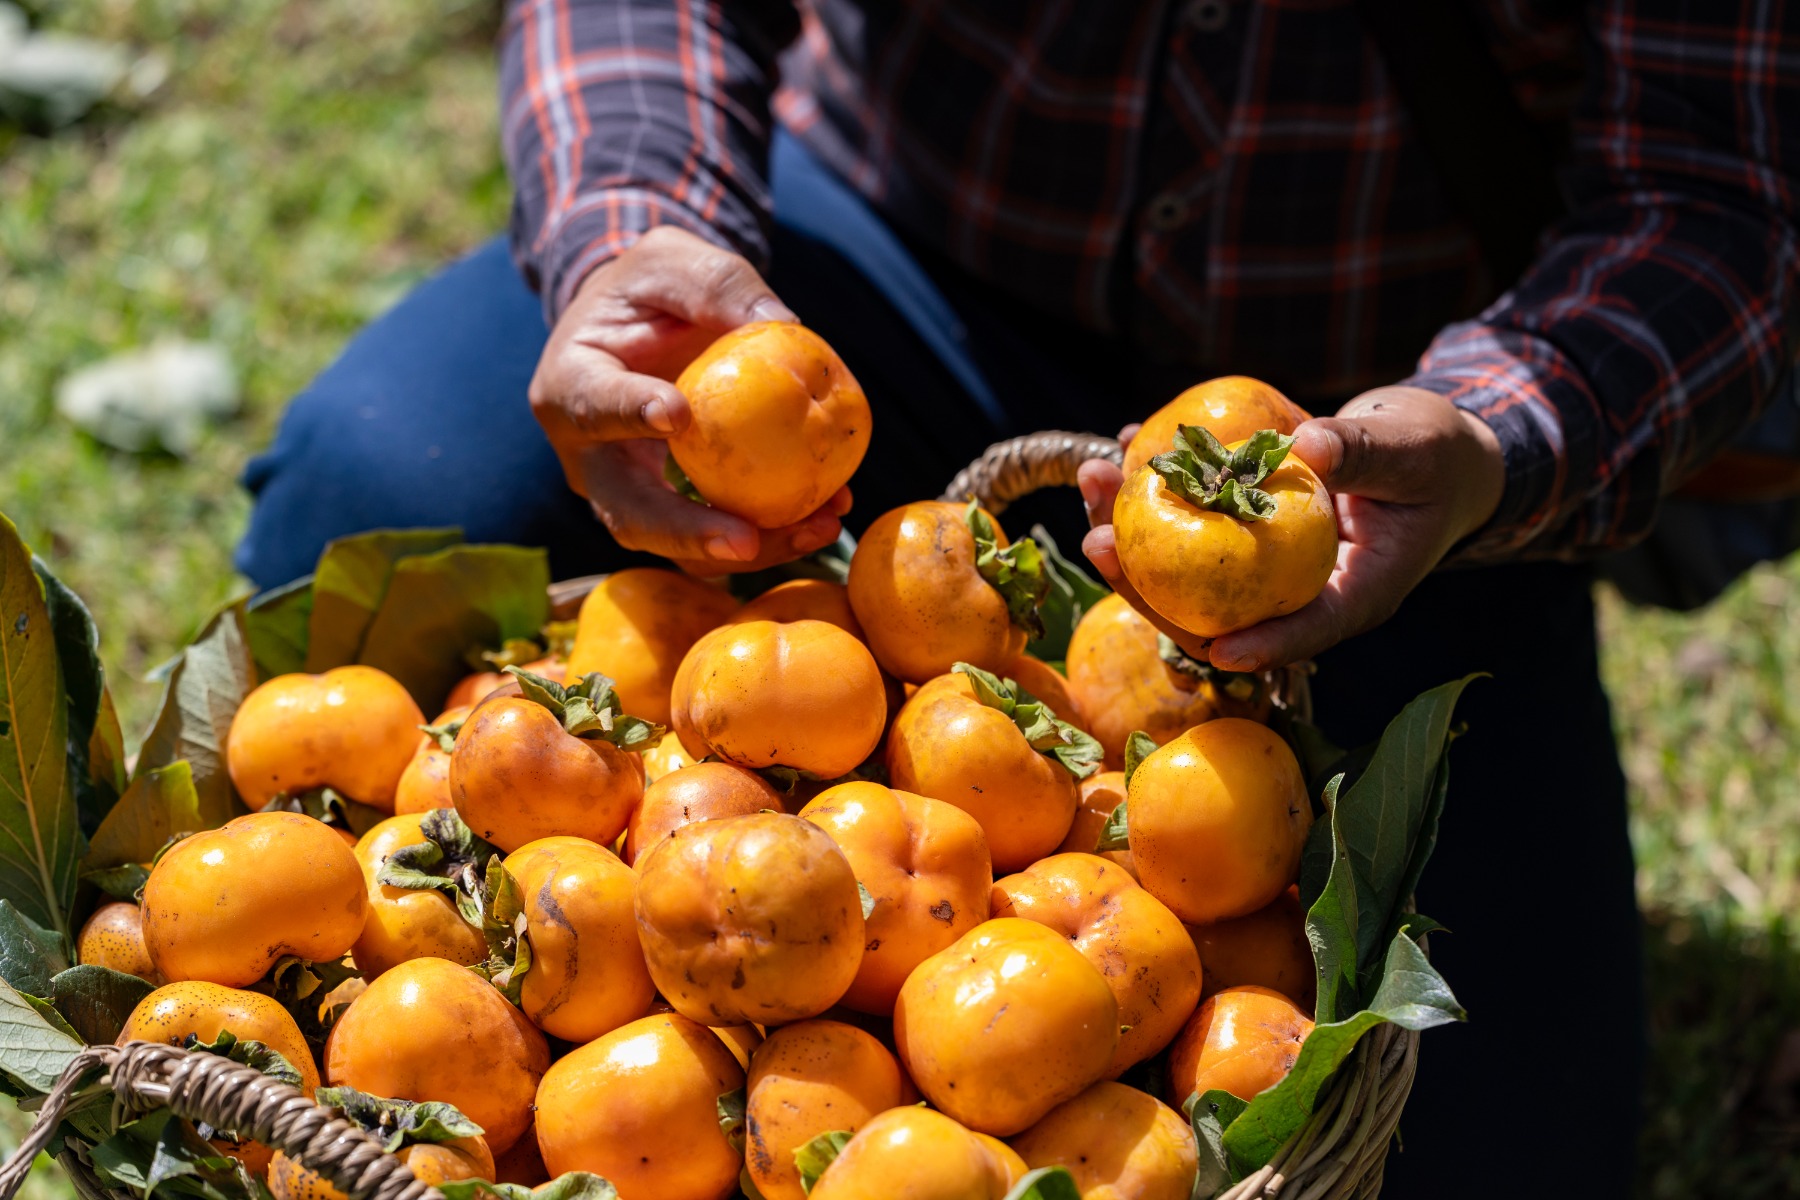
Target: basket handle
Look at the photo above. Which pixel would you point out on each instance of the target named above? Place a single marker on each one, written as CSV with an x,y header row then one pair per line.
x,y
1016,467
209,1088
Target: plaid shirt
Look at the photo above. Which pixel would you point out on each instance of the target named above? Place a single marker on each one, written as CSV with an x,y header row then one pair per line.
x,y
1235,184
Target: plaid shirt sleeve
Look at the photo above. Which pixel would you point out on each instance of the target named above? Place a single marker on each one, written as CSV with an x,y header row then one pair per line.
x,y
1656,321
621,115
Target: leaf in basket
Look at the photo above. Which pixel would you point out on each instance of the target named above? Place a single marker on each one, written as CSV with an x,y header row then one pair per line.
x,y
1412,995
96,1000
1331,918
207,683
33,1051
159,804
576,1185
276,624
1045,1183
30,955
1211,1115
96,747
349,584
161,1151
1072,592
40,835
438,605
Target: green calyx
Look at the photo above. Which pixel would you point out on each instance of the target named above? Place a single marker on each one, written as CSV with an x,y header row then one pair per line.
x,y
503,924
1204,473
1116,833
1236,684
444,735
247,1053
451,860
515,652
812,1159
1016,571
399,1123
1048,734
589,709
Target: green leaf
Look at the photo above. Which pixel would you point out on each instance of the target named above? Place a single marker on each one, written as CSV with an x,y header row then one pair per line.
x,y
40,835
121,883
349,584
160,804
330,806
300,986
205,687
503,924
678,479
1015,571
868,899
161,1152
516,652
30,955
438,605
1048,734
589,708
1203,472
95,746
1071,593
97,1000
1138,747
732,1120
1116,833
1045,1183
575,1185
1331,918
276,625
444,735
33,1051
812,1159
451,860
1412,995
249,1053
399,1123
1211,1115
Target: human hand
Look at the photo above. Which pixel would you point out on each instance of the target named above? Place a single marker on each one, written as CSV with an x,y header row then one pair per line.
x,y
1410,474
604,394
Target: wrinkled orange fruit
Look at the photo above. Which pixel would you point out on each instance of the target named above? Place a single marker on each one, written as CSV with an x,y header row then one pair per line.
x,y
352,729
407,923
917,1154
1118,1143
920,599
114,938
635,626
925,865
226,904
1244,1040
803,600
1005,1024
1268,948
696,793
1218,819
1230,408
779,423
425,784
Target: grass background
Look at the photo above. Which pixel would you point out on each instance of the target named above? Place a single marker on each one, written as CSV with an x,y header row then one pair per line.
x,y
306,163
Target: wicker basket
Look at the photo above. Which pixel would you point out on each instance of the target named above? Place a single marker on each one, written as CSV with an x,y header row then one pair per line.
x,y
1339,1155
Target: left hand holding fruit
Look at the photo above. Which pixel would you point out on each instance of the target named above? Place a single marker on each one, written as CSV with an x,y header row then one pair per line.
x,y
1410,476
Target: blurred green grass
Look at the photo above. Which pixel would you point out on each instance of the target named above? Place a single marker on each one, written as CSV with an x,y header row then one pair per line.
x,y
306,163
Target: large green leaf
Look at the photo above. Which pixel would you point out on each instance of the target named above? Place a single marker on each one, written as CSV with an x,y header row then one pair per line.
x,y
438,605
40,837
208,682
97,1000
30,955
159,804
276,625
1331,918
96,748
1211,1115
1072,592
349,584
33,1051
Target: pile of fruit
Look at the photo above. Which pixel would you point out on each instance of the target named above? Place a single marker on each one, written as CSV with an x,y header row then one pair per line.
x,y
842,891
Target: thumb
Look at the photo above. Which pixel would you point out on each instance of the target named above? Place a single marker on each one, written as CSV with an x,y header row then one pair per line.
x,y
1348,455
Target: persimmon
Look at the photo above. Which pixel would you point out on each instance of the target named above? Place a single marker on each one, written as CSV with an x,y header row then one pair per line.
x,y
114,937
1230,408
753,918
224,905
1118,1143
524,1163
697,793
779,423
935,584
1217,819
554,762
194,1008
1139,947
640,1106
1121,684
741,1040
969,738
800,694
1268,948
407,923
1243,1040
472,689
806,1079
666,757
1217,539
438,1147
425,784
1005,1024
925,865
587,974
351,729
917,1154
1099,795
803,600
429,1029
1046,683
635,626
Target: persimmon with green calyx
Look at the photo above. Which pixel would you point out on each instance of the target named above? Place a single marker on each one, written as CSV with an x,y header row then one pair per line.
x,y
934,584
750,919
989,747
587,975
227,904
916,1154
114,937
425,784
352,729
435,1141
803,695
1118,1143
1217,819
555,761
1230,408
1218,539
414,917
779,424
430,1029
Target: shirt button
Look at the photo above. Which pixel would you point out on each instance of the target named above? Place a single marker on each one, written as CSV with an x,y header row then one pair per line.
x,y
1167,212
1208,16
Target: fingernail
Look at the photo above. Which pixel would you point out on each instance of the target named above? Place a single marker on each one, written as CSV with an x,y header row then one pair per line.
x,y
721,546
657,416
771,309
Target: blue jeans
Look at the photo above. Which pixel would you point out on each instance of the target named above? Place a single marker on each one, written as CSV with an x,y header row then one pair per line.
x,y
423,421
